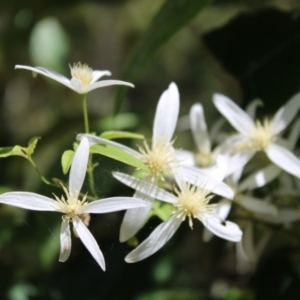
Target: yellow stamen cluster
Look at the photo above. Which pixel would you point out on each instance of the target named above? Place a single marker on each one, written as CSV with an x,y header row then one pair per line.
x,y
194,203
160,159
260,137
205,159
71,206
82,72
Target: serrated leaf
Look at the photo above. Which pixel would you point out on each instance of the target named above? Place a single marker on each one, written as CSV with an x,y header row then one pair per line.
x,y
172,16
120,155
110,135
66,160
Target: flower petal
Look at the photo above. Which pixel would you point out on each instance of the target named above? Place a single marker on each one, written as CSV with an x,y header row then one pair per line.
x,y
196,176
286,114
104,83
89,241
294,134
224,229
65,241
186,158
157,239
199,128
77,85
98,74
113,204
259,178
29,201
284,158
256,205
166,114
135,218
222,210
252,107
93,139
78,167
239,119
48,73
145,187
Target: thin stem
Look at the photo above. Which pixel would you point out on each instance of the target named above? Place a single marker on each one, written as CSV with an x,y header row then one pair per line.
x,y
46,181
85,114
90,172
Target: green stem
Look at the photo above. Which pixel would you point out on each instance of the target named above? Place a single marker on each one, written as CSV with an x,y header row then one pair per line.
x,y
90,172
46,181
85,114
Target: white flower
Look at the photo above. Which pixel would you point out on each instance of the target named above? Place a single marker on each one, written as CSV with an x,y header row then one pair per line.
x,y
190,202
72,208
255,180
261,136
83,80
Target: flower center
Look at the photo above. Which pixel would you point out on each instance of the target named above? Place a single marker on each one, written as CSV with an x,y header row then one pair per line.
x,y
83,73
205,159
160,159
71,206
259,138
194,202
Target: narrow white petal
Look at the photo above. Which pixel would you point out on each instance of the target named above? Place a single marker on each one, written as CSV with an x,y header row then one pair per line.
x,y
89,241
104,83
256,205
252,107
145,187
286,114
27,200
93,140
135,218
259,178
239,119
186,158
224,229
113,204
237,162
48,73
294,134
65,241
98,74
78,167
284,158
199,128
166,114
157,239
222,211
197,177
77,85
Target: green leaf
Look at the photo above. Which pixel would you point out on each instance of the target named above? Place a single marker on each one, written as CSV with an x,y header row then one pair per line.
x,y
66,160
32,145
110,135
12,151
173,15
120,155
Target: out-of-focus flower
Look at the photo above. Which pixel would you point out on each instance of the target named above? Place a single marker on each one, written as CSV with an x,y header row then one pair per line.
x,y
261,136
72,208
191,201
83,80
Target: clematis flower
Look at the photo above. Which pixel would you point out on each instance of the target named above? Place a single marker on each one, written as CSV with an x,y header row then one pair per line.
x,y
255,180
83,80
190,202
261,136
72,207
160,157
